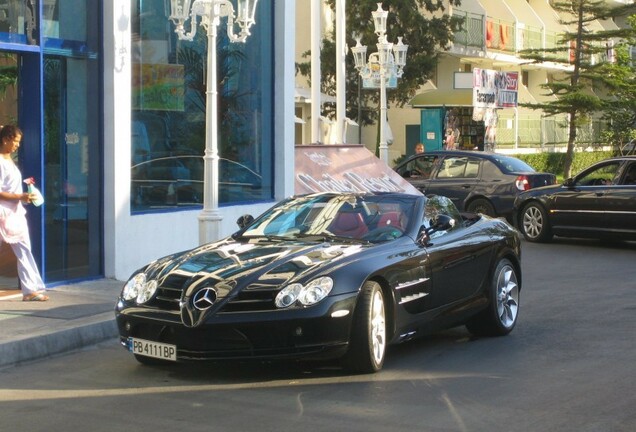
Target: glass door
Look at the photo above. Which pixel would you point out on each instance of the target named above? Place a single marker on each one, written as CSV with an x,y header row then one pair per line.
x,y
8,115
73,221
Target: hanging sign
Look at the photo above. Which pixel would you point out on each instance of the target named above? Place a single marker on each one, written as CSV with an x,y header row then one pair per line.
x,y
495,89
373,81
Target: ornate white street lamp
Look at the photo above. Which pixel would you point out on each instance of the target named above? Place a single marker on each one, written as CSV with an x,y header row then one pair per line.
x,y
211,12
386,64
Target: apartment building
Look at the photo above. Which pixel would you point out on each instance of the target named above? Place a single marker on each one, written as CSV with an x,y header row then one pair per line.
x,y
494,33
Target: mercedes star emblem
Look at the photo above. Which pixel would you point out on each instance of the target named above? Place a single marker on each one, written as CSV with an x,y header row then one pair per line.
x,y
204,299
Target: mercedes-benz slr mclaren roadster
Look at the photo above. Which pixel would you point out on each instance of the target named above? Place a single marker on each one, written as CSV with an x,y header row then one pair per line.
x,y
326,276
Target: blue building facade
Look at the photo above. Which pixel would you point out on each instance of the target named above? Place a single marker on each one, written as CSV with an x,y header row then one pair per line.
x,y
112,106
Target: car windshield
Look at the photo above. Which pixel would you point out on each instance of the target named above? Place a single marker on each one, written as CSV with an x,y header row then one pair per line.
x,y
361,217
511,164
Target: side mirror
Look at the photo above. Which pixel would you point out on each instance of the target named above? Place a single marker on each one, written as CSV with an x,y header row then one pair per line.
x,y
440,222
569,182
244,220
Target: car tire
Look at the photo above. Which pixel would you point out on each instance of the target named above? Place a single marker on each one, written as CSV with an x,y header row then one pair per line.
x,y
483,206
534,224
500,317
367,347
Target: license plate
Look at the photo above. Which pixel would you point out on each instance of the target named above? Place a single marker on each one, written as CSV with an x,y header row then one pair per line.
x,y
152,349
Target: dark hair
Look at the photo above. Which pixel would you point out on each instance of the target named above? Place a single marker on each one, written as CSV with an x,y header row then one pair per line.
x,y
10,132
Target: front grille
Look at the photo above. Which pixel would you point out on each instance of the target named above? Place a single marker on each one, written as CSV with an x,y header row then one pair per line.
x,y
169,293
254,298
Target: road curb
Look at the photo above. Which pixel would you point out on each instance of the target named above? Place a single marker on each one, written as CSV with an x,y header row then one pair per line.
x,y
65,337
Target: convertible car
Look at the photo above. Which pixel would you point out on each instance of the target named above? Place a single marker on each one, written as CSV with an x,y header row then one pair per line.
x,y
326,276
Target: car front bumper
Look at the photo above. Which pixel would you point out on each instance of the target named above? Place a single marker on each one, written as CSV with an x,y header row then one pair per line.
x,y
319,332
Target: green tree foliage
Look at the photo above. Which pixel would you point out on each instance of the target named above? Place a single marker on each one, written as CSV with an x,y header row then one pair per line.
x,y
620,79
8,73
424,27
578,50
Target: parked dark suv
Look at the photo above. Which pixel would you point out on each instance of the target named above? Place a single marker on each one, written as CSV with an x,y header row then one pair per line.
x,y
477,182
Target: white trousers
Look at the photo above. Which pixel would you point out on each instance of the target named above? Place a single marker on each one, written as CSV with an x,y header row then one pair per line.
x,y
28,273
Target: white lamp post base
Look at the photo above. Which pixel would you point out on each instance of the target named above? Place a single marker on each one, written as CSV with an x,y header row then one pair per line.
x,y
209,226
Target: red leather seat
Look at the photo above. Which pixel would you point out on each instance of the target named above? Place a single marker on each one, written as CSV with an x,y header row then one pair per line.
x,y
390,219
349,225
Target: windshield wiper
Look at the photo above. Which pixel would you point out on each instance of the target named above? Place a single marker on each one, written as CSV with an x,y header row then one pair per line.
x,y
264,236
326,237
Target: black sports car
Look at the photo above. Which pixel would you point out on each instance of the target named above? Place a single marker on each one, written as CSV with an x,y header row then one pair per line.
x,y
326,276
477,182
599,202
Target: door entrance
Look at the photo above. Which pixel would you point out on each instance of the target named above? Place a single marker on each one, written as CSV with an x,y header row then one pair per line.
x,y
73,221
60,149
8,114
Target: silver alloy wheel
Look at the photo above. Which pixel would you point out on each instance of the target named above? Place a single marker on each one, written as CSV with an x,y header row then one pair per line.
x,y
507,296
378,327
533,223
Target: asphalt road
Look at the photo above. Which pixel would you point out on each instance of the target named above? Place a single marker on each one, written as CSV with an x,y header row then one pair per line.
x,y
570,365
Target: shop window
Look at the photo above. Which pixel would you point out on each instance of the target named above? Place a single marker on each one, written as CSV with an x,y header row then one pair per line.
x,y
18,22
169,111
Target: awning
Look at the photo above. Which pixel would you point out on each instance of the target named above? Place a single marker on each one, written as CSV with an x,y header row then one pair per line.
x,y
345,168
440,97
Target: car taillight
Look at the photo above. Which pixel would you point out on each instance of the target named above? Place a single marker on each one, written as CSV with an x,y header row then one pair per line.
x,y
522,183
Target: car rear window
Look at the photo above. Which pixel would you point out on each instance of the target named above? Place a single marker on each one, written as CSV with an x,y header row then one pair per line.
x,y
511,164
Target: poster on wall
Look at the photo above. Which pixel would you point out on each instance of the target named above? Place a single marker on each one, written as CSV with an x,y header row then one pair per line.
x,y
158,87
495,89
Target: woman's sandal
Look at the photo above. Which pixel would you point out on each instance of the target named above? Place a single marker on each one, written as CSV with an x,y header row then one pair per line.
x,y
35,297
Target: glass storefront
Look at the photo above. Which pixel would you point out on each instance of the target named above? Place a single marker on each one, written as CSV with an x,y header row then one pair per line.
x,y
168,118
72,140
56,100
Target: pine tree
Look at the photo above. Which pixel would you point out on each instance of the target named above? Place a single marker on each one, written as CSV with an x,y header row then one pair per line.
x,y
578,51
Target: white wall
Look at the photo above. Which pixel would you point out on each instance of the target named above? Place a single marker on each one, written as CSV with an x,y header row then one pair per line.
x,y
130,241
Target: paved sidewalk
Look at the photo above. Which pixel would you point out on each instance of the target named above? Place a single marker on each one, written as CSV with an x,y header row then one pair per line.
x,y
75,316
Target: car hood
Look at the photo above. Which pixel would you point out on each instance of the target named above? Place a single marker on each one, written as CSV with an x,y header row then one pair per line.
x,y
241,276
231,264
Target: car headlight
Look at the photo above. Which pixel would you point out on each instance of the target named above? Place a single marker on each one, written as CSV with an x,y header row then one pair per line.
x,y
132,287
306,295
147,291
288,295
139,288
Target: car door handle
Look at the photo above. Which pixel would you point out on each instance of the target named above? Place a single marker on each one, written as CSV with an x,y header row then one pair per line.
x,y
466,186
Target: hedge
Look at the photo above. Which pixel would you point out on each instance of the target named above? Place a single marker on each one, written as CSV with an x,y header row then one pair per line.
x,y
554,162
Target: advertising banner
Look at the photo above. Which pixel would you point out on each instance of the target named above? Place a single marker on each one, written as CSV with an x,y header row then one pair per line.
x,y
345,168
495,89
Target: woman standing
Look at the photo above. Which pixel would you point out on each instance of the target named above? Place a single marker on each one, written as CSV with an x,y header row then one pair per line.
x,y
13,224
